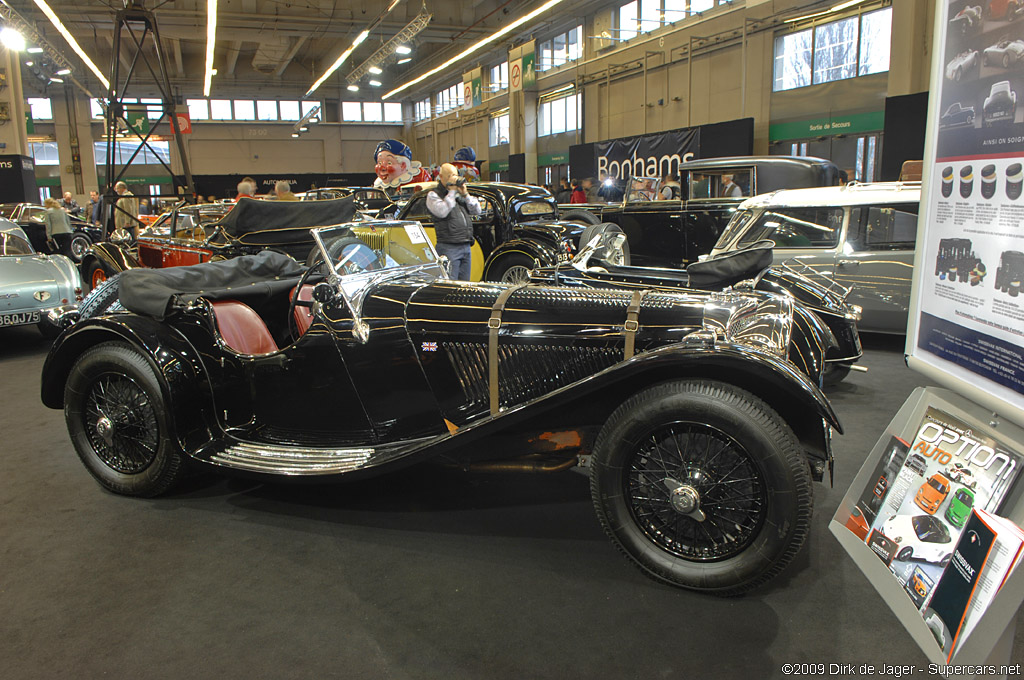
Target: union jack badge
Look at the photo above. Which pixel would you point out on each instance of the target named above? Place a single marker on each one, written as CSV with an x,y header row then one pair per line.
x,y
429,346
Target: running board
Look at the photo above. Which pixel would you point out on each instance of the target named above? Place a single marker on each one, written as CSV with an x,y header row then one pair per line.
x,y
292,460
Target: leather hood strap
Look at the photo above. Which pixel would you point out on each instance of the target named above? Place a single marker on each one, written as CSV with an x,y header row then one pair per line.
x,y
494,325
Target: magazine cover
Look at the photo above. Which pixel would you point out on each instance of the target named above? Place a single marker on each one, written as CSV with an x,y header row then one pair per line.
x,y
916,513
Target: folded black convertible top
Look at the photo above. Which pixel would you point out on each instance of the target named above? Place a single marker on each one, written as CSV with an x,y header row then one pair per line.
x,y
157,292
252,215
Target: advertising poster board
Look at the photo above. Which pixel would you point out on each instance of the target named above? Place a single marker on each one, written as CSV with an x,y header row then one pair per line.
x,y
966,328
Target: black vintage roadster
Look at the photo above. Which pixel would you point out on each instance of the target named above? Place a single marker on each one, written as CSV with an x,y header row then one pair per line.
x,y
698,414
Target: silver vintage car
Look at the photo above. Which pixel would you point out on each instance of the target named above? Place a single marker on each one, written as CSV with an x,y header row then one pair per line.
x,y
861,236
33,284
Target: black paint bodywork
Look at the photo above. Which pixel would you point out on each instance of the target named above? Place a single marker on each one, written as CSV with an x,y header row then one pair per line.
x,y
417,386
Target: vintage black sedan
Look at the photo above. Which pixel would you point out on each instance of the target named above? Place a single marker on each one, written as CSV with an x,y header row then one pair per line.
x,y
30,218
517,226
697,415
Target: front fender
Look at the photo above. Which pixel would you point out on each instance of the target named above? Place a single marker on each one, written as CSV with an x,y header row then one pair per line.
x,y
176,363
543,253
112,257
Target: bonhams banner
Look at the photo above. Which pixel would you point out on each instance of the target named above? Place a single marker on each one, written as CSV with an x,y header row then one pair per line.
x,y
647,155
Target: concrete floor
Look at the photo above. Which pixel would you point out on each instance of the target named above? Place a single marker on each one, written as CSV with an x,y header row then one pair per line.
x,y
423,574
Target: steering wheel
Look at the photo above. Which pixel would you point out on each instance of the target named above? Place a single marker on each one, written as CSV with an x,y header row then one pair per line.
x,y
351,255
293,327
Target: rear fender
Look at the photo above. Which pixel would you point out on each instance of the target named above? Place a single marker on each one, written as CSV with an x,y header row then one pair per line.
x,y
176,363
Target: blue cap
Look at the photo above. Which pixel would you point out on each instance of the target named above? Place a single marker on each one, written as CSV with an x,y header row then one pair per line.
x,y
394,146
466,153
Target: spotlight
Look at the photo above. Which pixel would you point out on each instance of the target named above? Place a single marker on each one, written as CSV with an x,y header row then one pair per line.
x,y
303,129
352,88
29,63
374,83
295,134
375,70
403,49
404,61
12,39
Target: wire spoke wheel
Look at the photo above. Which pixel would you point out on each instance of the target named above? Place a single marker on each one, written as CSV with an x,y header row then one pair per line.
x,y
121,424
715,469
516,274
702,485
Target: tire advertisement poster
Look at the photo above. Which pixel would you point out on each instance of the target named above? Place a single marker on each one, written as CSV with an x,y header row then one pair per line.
x,y
968,319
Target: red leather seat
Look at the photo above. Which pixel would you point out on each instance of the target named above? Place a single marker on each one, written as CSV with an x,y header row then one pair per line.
x,y
241,328
303,314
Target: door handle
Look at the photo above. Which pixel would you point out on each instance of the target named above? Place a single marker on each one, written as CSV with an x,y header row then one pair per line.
x,y
849,262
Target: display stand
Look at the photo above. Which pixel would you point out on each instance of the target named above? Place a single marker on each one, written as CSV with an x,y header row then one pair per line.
x,y
991,642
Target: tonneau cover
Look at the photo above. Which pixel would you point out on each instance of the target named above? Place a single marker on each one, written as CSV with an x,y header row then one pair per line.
x,y
158,292
252,215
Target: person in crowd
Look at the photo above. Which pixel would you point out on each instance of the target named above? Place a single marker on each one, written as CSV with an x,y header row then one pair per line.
x,y
451,205
211,199
578,195
730,189
670,188
70,205
58,227
564,194
609,191
246,188
95,206
144,208
283,191
590,190
126,210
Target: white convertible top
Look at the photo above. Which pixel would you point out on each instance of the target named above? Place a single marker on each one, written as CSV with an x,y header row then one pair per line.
x,y
852,194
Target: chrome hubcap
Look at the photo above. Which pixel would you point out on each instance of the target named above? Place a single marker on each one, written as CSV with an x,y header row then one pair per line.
x,y
684,499
105,429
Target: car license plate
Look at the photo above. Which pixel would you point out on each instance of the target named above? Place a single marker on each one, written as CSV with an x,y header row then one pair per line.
x,y
19,318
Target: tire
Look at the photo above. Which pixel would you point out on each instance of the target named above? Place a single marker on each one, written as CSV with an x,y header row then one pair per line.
x,y
78,245
113,386
905,554
512,268
619,258
580,216
756,452
836,372
95,275
102,299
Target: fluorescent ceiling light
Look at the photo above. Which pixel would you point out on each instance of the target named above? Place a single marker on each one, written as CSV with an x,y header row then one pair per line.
x,y
12,39
71,41
303,129
835,8
375,70
404,61
295,134
34,50
403,49
64,72
352,88
211,38
29,63
341,60
374,83
56,80
508,28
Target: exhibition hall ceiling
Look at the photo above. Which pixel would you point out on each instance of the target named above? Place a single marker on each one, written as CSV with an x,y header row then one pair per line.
x,y
284,46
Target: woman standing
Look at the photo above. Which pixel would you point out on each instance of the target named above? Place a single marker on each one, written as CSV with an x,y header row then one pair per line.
x,y
58,227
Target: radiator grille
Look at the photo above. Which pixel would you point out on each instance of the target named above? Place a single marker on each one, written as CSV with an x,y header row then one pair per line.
x,y
525,371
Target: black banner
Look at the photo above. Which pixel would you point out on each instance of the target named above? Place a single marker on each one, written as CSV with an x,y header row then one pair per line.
x,y
652,155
